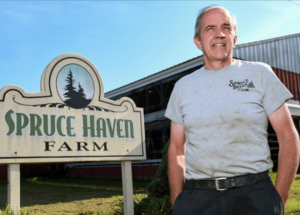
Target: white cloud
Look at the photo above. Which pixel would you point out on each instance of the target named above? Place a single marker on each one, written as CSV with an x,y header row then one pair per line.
x,y
272,19
123,8
283,12
119,8
24,17
42,7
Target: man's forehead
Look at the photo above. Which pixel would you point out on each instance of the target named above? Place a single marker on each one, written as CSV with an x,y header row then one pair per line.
x,y
212,16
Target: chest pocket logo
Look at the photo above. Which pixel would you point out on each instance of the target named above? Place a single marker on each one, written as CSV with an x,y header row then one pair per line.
x,y
241,85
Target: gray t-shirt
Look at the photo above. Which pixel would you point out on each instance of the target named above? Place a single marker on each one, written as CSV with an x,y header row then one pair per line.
x,y
225,117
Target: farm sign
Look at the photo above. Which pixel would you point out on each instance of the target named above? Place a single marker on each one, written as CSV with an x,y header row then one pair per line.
x,y
69,120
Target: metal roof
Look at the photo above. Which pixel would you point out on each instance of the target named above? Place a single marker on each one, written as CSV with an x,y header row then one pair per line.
x,y
197,61
281,52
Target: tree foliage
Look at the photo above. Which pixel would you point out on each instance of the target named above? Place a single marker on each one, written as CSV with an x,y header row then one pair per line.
x,y
70,86
159,185
81,91
75,99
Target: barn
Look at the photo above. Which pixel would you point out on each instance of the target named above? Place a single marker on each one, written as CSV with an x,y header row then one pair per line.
x,y
153,92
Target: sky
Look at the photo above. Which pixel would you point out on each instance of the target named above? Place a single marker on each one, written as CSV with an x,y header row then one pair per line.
x,y
125,40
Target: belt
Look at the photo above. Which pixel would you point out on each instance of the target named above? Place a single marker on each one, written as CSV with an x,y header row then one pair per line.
x,y
226,183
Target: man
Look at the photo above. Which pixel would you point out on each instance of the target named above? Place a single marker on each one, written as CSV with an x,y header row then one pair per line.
x,y
218,155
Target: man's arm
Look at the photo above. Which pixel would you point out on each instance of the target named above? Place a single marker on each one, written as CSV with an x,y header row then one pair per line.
x,y
288,157
176,160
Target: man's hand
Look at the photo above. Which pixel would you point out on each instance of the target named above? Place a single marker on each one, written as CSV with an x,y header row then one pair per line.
x,y
288,157
176,160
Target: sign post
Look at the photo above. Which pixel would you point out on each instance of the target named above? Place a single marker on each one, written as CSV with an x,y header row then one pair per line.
x,y
70,120
13,187
127,187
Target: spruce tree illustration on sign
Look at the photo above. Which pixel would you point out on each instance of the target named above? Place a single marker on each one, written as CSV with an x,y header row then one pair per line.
x,y
75,86
75,99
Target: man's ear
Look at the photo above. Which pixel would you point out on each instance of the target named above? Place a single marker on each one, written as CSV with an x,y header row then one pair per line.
x,y
197,42
234,40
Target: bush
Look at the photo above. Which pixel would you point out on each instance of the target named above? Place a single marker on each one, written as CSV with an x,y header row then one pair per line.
x,y
159,185
148,206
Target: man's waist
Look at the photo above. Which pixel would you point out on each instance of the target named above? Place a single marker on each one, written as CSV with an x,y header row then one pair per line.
x,y
224,183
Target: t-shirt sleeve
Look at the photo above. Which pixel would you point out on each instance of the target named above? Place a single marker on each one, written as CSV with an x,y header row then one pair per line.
x,y
173,111
275,93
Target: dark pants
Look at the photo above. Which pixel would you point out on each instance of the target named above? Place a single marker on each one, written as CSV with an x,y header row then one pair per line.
x,y
260,198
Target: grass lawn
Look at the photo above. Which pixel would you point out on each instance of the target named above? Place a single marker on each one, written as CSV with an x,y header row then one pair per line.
x,y
293,202
71,196
92,196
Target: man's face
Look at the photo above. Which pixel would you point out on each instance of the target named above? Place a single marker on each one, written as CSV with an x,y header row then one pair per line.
x,y
217,37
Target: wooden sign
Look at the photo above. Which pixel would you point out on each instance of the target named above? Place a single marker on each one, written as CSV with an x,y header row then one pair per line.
x,y
69,120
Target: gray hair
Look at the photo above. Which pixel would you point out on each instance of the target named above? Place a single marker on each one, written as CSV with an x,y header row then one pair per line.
x,y
204,10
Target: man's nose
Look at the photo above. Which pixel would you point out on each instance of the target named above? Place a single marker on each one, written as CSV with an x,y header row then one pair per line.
x,y
219,33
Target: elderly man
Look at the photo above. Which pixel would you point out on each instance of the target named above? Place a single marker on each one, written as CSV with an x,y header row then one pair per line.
x,y
218,155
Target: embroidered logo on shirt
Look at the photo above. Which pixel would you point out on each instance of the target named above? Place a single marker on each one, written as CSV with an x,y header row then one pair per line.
x,y
241,85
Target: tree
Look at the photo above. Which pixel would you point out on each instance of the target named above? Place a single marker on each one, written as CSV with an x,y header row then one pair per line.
x,y
159,186
81,91
75,99
69,87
